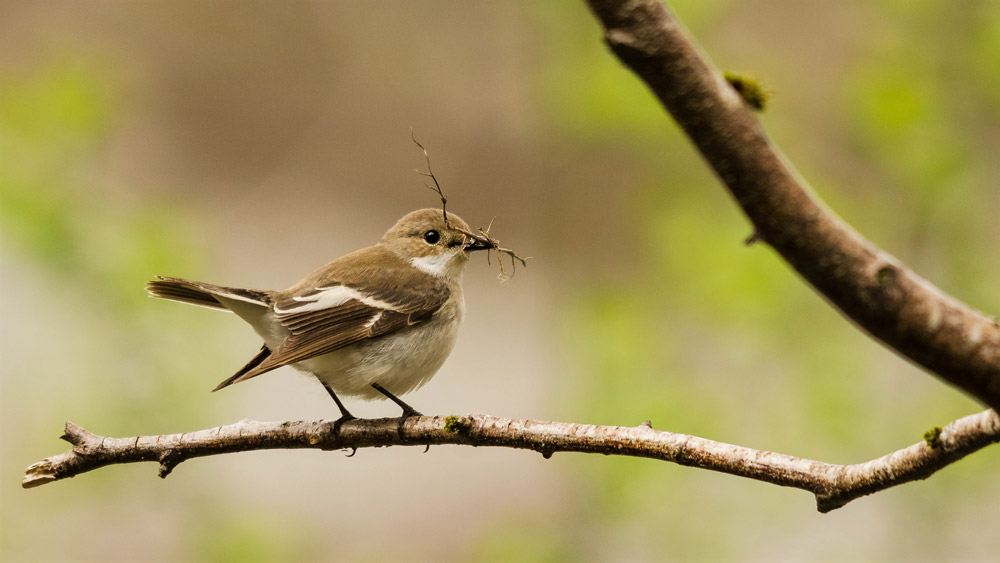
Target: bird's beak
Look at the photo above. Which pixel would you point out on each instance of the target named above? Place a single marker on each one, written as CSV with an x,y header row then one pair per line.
x,y
478,243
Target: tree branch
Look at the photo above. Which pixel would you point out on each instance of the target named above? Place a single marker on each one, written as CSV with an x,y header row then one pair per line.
x,y
833,485
872,288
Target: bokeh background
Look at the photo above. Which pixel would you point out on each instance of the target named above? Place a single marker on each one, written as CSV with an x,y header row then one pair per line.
x,y
246,143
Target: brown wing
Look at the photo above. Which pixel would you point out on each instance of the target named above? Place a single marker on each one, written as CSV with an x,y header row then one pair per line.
x,y
370,313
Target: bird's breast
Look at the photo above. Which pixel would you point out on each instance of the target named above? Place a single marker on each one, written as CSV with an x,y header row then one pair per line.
x,y
401,361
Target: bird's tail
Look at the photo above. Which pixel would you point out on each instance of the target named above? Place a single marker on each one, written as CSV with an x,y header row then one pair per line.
x,y
238,376
250,304
203,294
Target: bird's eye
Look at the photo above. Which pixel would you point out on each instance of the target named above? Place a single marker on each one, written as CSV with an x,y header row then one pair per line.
x,y
432,237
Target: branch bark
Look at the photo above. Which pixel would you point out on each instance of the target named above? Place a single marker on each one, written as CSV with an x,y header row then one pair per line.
x,y
833,485
872,288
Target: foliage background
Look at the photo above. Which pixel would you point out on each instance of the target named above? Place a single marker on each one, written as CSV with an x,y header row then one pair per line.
x,y
245,143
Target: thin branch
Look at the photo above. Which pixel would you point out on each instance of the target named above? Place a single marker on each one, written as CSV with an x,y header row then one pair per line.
x,y
874,289
484,235
430,174
833,485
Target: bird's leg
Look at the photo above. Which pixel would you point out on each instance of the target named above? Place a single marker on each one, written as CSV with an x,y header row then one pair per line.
x,y
345,414
408,411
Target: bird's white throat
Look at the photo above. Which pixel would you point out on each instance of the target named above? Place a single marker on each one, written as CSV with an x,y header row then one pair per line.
x,y
446,265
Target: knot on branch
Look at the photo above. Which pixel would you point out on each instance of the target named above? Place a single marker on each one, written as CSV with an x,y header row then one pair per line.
x,y
169,459
883,290
83,440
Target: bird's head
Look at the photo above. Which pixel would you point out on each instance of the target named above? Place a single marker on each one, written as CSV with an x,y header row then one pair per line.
x,y
431,244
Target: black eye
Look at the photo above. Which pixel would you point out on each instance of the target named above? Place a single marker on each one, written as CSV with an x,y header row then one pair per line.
x,y
432,237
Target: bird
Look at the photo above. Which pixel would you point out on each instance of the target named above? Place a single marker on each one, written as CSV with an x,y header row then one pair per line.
x,y
375,323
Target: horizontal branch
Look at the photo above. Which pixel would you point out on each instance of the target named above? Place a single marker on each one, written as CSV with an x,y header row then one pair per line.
x,y
833,485
874,289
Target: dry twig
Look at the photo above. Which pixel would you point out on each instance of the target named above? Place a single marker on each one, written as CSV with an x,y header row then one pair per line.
x,y
483,236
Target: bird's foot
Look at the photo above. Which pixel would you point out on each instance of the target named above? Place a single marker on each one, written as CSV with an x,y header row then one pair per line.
x,y
408,411
340,421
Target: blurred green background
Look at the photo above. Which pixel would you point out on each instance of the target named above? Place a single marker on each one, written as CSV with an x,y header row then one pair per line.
x,y
246,143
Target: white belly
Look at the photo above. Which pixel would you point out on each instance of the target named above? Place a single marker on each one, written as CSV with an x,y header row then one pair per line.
x,y
400,362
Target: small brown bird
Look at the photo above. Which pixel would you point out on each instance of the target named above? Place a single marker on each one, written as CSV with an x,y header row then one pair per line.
x,y
377,322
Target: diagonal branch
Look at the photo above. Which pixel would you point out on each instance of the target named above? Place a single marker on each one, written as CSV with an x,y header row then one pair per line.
x,y
833,485
872,288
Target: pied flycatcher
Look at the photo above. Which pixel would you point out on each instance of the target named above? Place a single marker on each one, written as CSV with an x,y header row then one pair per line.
x,y
379,321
